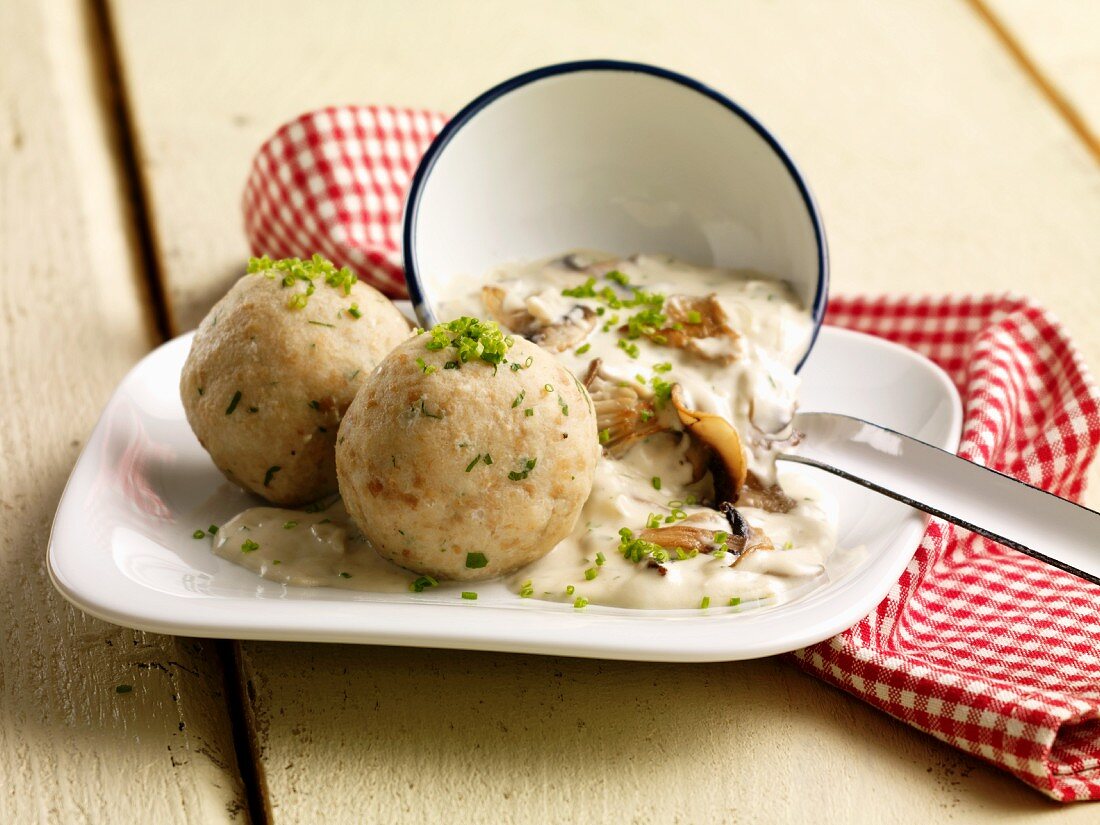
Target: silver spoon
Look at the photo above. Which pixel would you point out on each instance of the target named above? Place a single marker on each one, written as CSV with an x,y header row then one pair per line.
x,y
1017,515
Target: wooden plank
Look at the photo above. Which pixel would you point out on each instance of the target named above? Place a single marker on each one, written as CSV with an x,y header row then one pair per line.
x,y
1059,45
938,169
72,748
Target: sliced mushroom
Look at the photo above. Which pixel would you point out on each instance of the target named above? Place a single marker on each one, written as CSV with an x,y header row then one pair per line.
x,y
687,535
622,414
770,498
568,332
699,325
744,538
563,334
722,437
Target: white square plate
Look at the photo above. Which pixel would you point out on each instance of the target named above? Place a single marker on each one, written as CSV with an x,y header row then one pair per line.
x,y
122,550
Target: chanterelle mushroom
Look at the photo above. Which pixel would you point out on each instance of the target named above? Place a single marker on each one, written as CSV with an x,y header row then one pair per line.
x,y
623,416
563,334
722,437
699,325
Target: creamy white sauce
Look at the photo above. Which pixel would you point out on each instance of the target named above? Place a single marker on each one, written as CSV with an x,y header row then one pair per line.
x,y
756,391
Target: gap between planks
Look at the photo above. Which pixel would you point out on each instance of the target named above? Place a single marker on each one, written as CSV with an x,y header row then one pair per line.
x,y
228,651
1047,87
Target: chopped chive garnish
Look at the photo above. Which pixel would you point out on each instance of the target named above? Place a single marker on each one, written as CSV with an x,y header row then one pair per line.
x,y
736,600
591,573
605,435
787,545
694,317
472,339
249,546
475,561
618,277
488,459
124,688
583,348
270,474
519,399
563,405
322,324
345,575
569,590
527,467
233,404
425,367
656,482
198,534
629,348
664,366
580,602
705,603
601,559
212,529
473,463
527,590
422,583
276,561
528,412
289,525
548,387
355,312
469,595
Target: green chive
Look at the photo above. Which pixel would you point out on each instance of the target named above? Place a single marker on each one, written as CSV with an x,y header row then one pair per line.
x,y
123,688
475,561
519,399
569,590
473,463
270,474
198,534
694,317
345,575
289,525
469,595
580,602
705,603
355,312
591,573
233,404
249,546
581,350
656,482
323,324
601,559
212,529
488,459
528,412
736,600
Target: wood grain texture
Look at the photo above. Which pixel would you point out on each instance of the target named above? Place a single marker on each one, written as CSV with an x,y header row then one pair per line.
x,y
1061,43
938,168
72,320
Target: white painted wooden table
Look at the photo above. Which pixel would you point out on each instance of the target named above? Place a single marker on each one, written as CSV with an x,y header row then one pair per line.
x,y
952,147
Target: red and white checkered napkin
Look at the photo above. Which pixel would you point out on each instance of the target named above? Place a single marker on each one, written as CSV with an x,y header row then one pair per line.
x,y
980,646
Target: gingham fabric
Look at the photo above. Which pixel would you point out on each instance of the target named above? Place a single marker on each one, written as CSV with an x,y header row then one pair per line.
x,y
980,646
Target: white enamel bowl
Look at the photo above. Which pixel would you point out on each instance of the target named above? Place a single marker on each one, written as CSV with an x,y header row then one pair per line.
x,y
620,157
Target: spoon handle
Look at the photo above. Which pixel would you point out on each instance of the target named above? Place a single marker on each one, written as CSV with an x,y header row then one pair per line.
x,y
1025,518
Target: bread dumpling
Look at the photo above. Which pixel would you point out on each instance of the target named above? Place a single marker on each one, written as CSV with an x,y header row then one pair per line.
x,y
467,454
273,367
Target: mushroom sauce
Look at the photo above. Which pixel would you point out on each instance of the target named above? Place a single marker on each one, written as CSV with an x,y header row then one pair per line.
x,y
686,511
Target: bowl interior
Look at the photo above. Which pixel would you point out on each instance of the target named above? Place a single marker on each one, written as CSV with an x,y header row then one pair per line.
x,y
608,156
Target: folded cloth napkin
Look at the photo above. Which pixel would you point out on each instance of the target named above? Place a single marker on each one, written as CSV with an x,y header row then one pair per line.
x,y
980,646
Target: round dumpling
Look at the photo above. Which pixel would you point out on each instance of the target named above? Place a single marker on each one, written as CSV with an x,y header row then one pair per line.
x,y
467,454
274,366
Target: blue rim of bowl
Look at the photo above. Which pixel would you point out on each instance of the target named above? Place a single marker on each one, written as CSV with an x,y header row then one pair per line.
x,y
412,203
